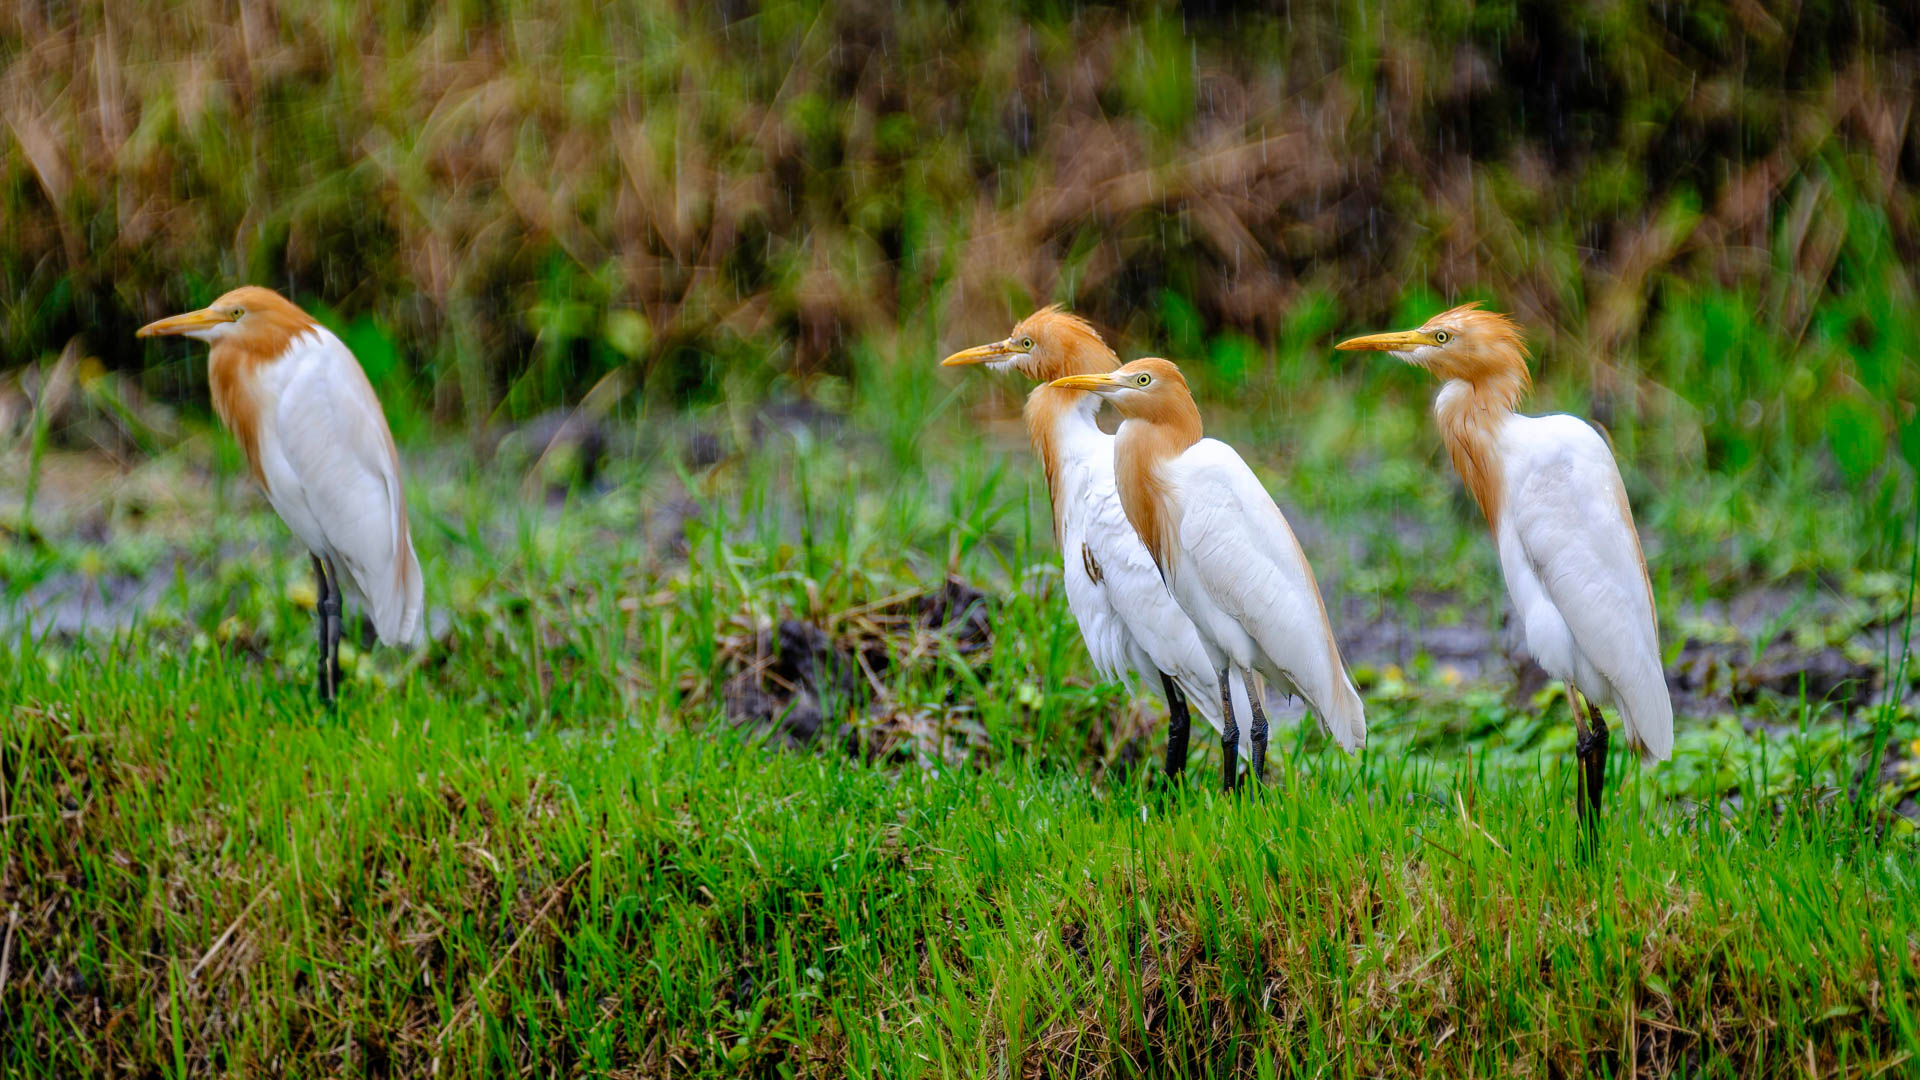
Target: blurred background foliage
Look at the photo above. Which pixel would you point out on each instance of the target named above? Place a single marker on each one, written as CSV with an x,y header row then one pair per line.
x,y
1706,212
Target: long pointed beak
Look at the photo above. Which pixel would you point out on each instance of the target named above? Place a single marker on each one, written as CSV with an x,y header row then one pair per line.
x,y
182,324
1398,341
981,354
1095,383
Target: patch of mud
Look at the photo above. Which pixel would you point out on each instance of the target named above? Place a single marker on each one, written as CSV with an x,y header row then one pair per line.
x,y
561,450
1761,611
1373,639
957,610
1715,669
74,605
702,448
799,682
797,418
702,443
1721,674
665,526
797,677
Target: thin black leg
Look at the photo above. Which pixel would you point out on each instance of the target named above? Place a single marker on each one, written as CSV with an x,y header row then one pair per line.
x,y
1259,728
336,622
333,638
1179,724
330,621
1591,748
323,683
1229,735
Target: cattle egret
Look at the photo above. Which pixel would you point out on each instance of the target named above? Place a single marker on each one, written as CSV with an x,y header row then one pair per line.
x,y
1224,549
1126,616
1552,496
318,446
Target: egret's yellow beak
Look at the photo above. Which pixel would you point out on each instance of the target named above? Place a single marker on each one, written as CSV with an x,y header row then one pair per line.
x,y
184,324
1398,341
982,354
1096,383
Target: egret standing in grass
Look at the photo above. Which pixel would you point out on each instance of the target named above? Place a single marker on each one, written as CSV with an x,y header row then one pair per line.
x,y
1127,619
319,447
1225,551
1552,495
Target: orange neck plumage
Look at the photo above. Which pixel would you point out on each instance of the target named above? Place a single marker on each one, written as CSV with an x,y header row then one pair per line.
x,y
1156,431
233,366
1050,409
1470,413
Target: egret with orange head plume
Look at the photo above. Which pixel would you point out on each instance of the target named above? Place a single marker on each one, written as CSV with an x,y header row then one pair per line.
x,y
1552,496
318,445
1126,616
1225,552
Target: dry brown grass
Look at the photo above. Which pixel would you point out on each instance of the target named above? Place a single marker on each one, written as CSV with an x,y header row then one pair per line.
x,y
763,187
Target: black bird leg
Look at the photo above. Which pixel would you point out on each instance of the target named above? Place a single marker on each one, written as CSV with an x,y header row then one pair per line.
x,y
1229,734
328,608
1179,723
323,590
336,619
1259,728
1590,746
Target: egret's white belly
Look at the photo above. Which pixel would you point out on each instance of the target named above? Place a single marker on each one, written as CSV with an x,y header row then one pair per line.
x,y
1546,635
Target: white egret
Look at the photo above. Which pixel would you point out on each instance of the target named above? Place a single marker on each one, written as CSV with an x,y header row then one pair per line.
x,y
1126,616
1552,496
1224,549
319,447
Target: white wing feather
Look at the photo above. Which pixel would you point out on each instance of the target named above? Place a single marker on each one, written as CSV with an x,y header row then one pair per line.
x,y
1155,626
1128,619
1105,633
1238,556
342,480
1563,514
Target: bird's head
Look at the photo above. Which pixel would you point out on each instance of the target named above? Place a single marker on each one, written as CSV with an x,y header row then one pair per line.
x,y
1460,343
1147,389
246,315
1046,345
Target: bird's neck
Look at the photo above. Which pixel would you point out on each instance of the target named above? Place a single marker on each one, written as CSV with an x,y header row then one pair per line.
x,y
232,381
1058,422
1142,449
1471,413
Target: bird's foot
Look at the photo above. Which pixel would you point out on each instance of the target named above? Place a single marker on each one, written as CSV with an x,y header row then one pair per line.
x,y
1585,743
1591,748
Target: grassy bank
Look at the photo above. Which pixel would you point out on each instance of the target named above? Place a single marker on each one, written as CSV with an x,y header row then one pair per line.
x,y
216,879
719,764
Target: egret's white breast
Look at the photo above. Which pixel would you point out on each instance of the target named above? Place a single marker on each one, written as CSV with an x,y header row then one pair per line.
x,y
286,490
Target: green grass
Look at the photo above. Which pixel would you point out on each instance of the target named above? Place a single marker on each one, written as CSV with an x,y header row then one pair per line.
x,y
408,881
543,846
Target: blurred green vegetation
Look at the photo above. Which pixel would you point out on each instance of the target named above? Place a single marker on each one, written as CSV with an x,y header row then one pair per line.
x,y
1706,212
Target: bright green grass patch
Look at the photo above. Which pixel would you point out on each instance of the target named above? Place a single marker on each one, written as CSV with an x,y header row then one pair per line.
x,y
205,873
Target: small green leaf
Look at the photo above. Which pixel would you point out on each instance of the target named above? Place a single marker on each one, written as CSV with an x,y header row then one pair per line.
x,y
373,348
1858,436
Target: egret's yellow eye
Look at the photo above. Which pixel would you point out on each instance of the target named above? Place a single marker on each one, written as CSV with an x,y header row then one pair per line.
x,y
1026,344
1142,379
235,313
1441,337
